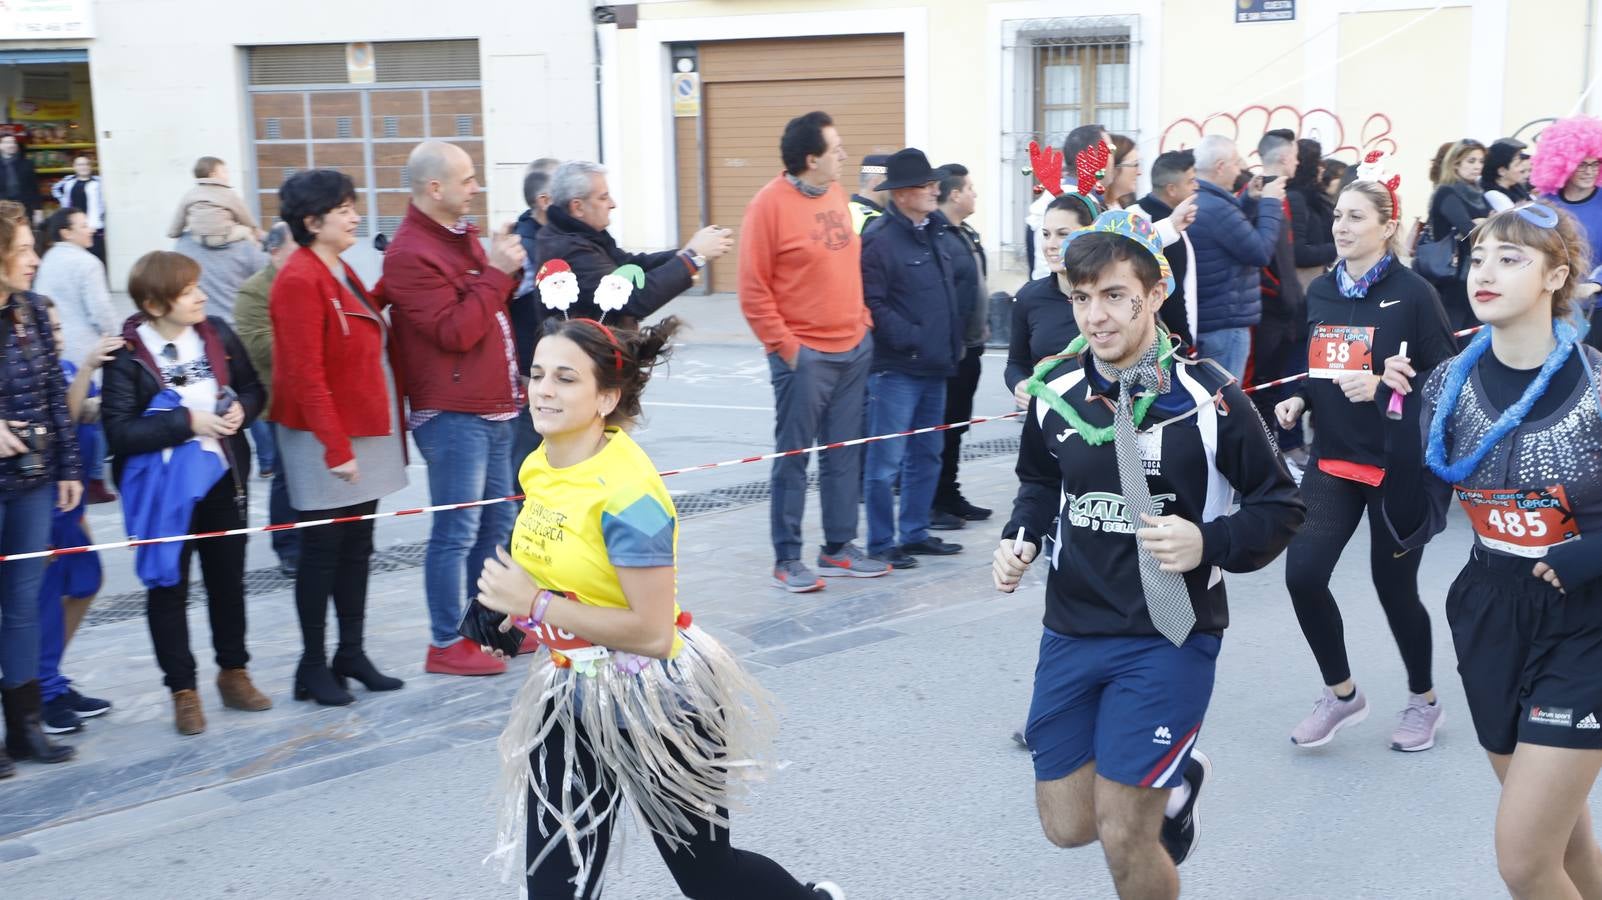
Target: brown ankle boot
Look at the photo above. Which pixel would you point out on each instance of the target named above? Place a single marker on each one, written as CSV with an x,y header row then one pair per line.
x,y
186,712
238,693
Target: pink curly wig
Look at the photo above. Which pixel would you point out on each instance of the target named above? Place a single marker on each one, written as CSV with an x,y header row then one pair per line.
x,y
1561,148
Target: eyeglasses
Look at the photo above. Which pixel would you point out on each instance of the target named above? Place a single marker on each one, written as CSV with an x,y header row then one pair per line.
x,y
1590,165
1133,165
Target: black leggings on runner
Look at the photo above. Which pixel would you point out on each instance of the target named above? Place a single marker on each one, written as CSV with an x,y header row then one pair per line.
x,y
1334,506
706,868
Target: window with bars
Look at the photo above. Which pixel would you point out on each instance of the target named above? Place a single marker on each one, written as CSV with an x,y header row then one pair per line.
x,y
1059,74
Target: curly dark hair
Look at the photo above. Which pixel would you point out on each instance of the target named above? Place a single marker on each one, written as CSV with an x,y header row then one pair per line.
x,y
624,359
314,192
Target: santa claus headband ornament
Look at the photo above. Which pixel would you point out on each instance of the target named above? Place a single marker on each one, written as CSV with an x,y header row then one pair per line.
x,y
557,285
1372,168
615,289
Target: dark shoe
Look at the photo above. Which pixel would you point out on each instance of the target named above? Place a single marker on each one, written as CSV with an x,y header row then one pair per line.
x,y
1180,834
932,546
238,693
87,707
967,510
25,736
59,717
7,767
359,667
897,558
313,681
187,716
99,493
944,521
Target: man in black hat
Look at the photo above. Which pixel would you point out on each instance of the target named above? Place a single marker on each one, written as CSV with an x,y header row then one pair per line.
x,y
868,202
918,343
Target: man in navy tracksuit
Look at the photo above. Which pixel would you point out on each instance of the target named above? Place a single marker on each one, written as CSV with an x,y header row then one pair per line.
x,y
1129,464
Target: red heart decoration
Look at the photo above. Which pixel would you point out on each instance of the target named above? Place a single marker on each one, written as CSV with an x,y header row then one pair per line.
x,y
1047,166
1090,165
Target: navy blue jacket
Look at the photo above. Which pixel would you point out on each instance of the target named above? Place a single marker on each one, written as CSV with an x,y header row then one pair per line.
x,y
907,283
1233,239
33,390
526,313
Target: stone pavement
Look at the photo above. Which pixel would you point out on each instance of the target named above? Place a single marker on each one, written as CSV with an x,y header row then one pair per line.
x,y
899,695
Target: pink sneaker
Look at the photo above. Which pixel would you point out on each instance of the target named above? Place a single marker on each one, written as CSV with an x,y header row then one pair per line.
x,y
1330,714
1417,726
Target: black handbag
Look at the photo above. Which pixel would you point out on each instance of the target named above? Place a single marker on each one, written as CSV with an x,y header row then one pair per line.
x,y
1439,259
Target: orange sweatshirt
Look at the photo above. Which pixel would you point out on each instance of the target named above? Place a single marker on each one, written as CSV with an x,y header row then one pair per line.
x,y
801,271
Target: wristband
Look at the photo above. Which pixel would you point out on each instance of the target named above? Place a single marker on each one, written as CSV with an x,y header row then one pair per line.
x,y
542,602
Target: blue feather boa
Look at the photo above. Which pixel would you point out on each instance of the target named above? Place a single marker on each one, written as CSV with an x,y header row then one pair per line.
x,y
1457,379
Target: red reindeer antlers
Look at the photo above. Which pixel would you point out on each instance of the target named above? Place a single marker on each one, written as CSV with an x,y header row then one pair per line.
x,y
1047,166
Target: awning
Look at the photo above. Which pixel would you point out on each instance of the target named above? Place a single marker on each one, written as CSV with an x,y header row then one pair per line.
x,y
64,55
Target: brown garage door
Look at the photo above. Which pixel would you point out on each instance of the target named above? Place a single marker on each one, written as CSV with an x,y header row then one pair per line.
x,y
751,88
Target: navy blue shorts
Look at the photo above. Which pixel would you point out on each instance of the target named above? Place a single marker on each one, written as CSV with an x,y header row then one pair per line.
x,y
1134,705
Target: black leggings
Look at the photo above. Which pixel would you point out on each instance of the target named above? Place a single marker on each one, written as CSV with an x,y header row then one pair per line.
x,y
1334,506
334,561
706,868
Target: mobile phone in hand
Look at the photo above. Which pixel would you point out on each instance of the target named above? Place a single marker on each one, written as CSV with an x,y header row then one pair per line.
x,y
226,398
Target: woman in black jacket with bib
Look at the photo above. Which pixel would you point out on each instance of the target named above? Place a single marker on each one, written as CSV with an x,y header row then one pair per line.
x,y
1358,315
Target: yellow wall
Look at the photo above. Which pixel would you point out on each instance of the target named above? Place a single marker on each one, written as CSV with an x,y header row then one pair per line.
x,y
1546,63
1424,93
1212,65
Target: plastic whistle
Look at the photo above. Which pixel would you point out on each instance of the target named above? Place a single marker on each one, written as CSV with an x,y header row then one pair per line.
x,y
1393,410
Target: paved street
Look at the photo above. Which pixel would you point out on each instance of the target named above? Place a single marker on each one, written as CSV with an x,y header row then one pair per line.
x,y
899,696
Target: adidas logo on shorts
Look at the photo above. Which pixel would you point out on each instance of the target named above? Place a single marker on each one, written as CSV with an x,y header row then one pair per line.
x,y
1589,722
1162,736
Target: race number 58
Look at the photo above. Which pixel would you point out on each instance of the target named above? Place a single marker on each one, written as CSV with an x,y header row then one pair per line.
x,y
1338,353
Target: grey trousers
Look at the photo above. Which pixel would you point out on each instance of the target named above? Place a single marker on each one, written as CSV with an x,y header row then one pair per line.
x,y
820,402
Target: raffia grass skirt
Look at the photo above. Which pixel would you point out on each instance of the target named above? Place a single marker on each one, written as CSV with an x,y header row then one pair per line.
x,y
674,743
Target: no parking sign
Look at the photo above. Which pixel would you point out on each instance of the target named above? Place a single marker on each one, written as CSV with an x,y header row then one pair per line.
x,y
686,94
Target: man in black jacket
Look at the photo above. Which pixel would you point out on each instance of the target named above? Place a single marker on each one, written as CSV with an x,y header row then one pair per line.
x,y
17,179
1129,463
1281,337
1173,178
969,270
575,232
917,344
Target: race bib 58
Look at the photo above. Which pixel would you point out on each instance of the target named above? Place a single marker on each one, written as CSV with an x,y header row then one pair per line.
x,y
1335,350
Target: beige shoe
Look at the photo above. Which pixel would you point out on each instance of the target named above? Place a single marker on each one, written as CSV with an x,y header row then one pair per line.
x,y
187,715
238,693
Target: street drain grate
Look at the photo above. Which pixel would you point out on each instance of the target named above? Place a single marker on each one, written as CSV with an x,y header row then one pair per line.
x,y
131,604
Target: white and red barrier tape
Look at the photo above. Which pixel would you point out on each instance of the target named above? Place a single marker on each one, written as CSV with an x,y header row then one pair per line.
x,y
443,507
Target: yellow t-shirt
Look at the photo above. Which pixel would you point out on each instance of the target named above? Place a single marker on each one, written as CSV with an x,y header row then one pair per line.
x,y
581,522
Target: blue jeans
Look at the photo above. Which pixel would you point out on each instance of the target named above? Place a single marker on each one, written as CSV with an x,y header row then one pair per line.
x,y
469,458
1229,347
261,434
92,450
898,402
820,401
24,528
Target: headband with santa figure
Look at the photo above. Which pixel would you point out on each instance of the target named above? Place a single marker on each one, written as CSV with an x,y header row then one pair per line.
x,y
1373,169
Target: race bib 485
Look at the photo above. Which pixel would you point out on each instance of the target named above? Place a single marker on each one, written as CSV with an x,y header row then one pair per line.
x,y
1521,521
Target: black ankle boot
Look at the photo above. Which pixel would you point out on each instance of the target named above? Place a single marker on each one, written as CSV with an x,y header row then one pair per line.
x,y
7,767
25,737
356,665
313,681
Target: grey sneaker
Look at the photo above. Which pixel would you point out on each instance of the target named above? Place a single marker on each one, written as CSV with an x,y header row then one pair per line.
x,y
1417,726
851,563
796,578
1330,714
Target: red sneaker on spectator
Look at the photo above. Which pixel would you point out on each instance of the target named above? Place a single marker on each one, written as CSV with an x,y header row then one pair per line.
x,y
462,658
99,493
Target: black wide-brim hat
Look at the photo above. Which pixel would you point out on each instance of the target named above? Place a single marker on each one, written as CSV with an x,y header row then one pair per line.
x,y
908,168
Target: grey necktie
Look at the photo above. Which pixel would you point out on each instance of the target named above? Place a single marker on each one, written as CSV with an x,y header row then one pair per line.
x,y
1167,598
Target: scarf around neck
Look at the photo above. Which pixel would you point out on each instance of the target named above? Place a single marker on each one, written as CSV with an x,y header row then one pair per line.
x,y
1358,289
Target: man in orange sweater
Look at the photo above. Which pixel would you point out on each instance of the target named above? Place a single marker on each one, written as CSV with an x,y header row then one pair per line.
x,y
801,290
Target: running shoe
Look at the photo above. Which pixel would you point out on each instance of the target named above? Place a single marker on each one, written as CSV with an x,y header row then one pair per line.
x,y
59,717
851,563
827,890
87,707
1182,832
792,576
1330,714
896,558
1417,726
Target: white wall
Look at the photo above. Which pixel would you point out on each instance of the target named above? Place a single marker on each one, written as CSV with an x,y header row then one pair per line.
x,y
169,86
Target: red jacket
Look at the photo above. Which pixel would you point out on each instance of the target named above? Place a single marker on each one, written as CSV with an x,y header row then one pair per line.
x,y
328,373
448,304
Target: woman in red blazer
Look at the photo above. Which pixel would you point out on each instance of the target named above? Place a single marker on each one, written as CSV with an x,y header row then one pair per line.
x,y
338,414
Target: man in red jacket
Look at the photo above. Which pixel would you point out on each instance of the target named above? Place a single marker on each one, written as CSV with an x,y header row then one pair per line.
x,y
458,368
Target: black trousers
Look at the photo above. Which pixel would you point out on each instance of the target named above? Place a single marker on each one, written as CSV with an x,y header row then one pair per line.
x,y
334,562
707,868
960,389
222,568
1334,506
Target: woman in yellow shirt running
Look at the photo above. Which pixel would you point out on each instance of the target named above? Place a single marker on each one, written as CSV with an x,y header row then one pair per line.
x,y
632,703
